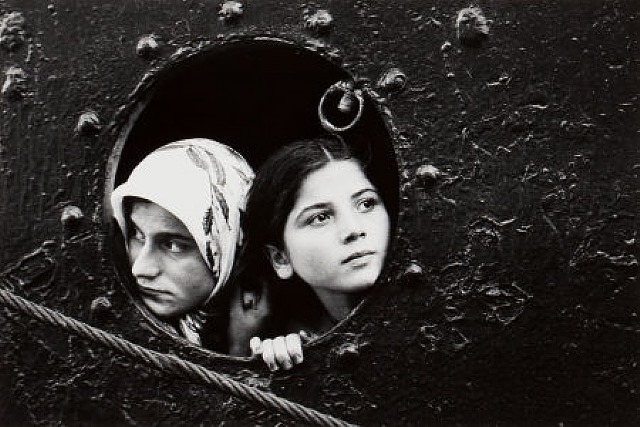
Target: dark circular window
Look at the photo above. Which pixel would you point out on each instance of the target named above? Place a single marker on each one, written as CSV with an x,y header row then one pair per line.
x,y
253,94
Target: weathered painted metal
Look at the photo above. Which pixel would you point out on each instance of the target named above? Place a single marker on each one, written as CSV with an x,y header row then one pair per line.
x,y
512,293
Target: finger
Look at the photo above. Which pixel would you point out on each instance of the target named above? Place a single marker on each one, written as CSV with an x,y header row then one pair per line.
x,y
305,336
268,355
281,353
294,346
256,346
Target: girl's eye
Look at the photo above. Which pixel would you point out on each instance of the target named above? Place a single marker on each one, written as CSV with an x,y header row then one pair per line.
x,y
137,234
367,204
318,219
175,246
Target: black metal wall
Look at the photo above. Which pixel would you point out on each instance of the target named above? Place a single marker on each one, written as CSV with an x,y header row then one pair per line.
x,y
512,296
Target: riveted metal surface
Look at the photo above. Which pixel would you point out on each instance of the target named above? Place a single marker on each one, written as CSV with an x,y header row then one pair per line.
x,y
512,296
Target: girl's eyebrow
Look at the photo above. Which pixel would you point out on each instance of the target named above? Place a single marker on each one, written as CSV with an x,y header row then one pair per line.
x,y
320,205
174,236
361,192
315,206
165,234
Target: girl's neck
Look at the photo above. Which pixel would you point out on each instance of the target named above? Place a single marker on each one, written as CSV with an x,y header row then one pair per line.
x,y
338,305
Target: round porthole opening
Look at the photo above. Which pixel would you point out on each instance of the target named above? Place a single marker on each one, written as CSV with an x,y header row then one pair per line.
x,y
254,95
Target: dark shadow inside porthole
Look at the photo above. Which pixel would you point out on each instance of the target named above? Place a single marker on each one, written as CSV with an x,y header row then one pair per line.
x,y
254,95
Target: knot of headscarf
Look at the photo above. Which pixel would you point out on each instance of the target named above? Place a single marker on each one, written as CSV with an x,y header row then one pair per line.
x,y
204,184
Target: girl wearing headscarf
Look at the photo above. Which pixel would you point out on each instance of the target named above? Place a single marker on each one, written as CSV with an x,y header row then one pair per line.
x,y
179,212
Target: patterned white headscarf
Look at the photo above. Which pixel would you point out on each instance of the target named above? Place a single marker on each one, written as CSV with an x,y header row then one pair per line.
x,y
204,184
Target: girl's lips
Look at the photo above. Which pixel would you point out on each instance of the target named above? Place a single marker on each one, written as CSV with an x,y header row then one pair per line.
x,y
151,291
356,255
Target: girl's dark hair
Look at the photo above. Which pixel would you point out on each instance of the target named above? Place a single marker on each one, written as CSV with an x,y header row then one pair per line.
x,y
278,181
272,196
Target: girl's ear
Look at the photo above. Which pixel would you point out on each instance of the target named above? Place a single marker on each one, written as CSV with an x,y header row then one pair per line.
x,y
280,262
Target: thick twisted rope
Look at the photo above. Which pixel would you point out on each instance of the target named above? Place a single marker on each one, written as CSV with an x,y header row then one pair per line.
x,y
170,363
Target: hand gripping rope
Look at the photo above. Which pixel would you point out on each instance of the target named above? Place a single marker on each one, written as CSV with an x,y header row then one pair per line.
x,y
169,363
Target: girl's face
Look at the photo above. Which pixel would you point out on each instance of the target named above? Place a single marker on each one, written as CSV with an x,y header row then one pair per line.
x,y
171,275
336,235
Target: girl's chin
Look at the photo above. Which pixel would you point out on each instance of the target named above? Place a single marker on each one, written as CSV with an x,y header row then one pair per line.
x,y
160,311
359,285
364,279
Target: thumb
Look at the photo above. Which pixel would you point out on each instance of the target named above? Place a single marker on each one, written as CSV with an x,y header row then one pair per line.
x,y
256,346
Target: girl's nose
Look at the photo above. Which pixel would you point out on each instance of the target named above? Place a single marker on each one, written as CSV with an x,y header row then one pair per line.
x,y
351,228
145,263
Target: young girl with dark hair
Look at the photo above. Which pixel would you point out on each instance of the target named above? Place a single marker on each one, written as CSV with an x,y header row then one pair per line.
x,y
317,232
